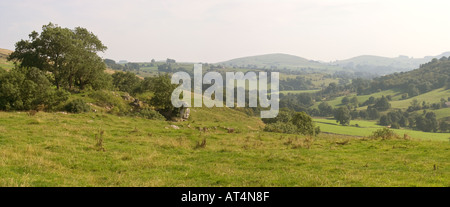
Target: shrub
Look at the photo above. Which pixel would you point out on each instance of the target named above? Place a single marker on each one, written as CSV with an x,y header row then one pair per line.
x,y
395,125
317,130
150,114
110,100
384,133
281,127
77,106
28,89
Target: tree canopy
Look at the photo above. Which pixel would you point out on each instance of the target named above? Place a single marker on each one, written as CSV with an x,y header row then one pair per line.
x,y
70,55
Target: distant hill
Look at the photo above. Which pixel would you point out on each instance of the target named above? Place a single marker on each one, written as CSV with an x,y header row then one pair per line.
x,y
366,63
385,65
275,61
4,53
432,75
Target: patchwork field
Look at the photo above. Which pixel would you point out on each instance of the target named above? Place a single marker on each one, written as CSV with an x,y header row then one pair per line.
x,y
366,128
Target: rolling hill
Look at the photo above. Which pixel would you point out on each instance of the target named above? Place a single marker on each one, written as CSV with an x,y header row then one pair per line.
x,y
365,63
276,61
4,53
385,65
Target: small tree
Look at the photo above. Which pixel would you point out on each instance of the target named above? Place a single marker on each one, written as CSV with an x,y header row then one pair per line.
x,y
126,82
354,101
444,126
345,101
382,104
325,109
342,116
163,89
304,123
69,54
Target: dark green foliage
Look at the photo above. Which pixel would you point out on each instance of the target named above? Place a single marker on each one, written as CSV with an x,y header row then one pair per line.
x,y
444,126
415,106
170,61
297,83
292,123
395,118
147,85
167,68
413,91
149,114
395,125
354,114
345,101
325,109
304,123
369,101
426,123
284,116
28,89
354,101
384,133
363,114
126,82
281,127
111,101
382,104
77,106
429,76
384,120
70,56
342,116
297,102
112,64
161,99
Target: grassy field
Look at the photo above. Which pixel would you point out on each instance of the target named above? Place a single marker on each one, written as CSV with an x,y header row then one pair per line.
x,y
442,113
337,102
430,97
298,91
57,149
396,103
367,127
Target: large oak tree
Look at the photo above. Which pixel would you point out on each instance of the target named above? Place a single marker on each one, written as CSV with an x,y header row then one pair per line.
x,y
70,55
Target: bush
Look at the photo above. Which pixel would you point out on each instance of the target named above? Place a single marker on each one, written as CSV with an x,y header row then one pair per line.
x,y
150,114
395,125
110,100
384,133
28,89
281,127
317,130
77,106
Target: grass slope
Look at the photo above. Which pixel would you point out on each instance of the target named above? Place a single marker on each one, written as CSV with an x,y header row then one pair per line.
x,y
430,97
55,149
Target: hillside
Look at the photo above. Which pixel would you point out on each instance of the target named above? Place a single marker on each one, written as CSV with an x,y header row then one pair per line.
x,y
141,152
4,53
365,63
385,65
275,61
430,76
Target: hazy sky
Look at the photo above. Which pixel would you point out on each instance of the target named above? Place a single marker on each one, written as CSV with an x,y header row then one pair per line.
x,y
219,30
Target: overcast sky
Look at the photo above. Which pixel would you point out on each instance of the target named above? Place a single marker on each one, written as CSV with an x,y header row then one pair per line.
x,y
219,30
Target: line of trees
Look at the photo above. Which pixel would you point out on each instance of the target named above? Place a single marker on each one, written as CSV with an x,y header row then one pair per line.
x,y
59,61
